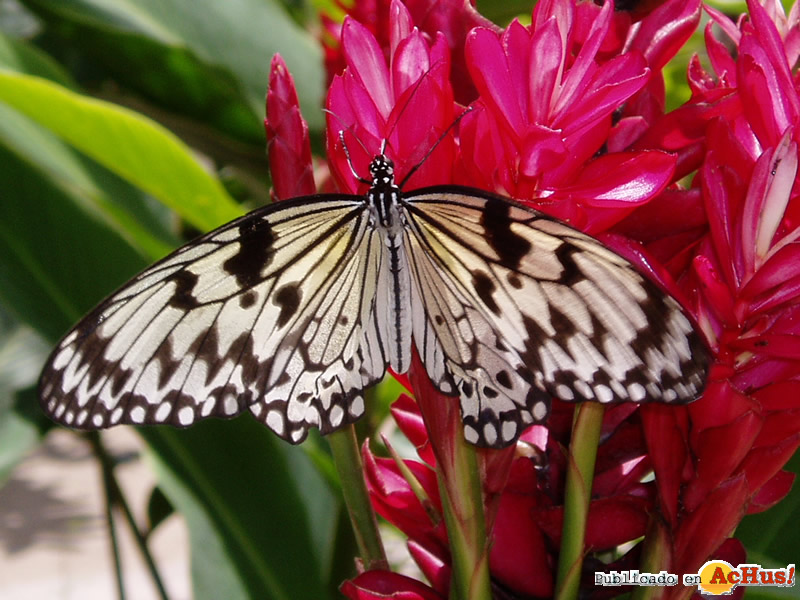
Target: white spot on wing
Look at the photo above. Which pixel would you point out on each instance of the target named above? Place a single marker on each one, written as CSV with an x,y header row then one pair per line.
x,y
137,414
489,433
208,406
539,411
162,412
509,430
564,392
637,392
603,393
336,415
61,359
357,406
275,421
470,434
186,415
584,389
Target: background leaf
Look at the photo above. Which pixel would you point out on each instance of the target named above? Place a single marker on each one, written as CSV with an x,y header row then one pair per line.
x,y
84,187
252,507
205,58
128,144
771,538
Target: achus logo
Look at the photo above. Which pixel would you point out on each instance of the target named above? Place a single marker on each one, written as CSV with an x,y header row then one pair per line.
x,y
718,577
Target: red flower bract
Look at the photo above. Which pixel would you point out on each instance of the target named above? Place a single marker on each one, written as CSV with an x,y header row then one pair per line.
x,y
406,105
287,137
569,118
547,95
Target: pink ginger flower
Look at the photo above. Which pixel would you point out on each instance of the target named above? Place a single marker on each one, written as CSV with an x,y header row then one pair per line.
x,y
721,457
548,93
569,118
288,146
451,19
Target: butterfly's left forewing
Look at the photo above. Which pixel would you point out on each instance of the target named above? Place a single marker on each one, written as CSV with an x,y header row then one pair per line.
x,y
512,308
266,313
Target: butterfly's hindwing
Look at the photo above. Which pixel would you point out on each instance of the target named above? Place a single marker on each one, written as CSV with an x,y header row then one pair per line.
x,y
533,309
225,321
334,351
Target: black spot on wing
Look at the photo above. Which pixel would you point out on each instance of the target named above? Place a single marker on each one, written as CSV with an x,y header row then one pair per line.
x,y
288,299
660,310
485,288
168,365
120,380
255,253
564,326
571,272
657,308
504,379
185,281
247,299
510,246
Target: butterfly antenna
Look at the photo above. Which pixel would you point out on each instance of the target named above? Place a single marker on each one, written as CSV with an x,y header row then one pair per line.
x,y
432,148
344,145
405,106
350,162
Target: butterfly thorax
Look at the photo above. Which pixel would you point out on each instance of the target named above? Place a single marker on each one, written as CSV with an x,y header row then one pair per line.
x,y
384,194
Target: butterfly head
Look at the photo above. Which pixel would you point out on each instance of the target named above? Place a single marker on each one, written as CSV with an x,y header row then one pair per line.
x,y
384,194
381,169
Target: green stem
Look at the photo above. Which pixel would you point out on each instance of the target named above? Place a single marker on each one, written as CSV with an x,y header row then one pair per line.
x,y
115,497
462,501
414,484
655,557
577,494
347,459
112,530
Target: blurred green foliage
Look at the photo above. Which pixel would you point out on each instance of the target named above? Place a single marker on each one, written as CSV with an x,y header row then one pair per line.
x,y
105,106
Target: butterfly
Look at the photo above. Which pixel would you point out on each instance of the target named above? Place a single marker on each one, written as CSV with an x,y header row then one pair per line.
x,y
294,309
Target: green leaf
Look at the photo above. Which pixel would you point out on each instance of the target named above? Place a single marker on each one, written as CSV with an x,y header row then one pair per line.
x,y
128,144
21,356
502,12
18,436
58,259
202,57
256,531
127,210
22,57
159,508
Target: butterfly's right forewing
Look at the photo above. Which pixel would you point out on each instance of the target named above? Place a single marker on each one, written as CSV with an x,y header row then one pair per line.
x,y
255,314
